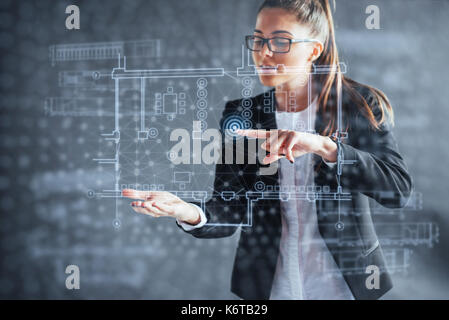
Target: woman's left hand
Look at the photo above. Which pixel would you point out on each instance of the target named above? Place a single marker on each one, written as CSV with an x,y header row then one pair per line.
x,y
292,144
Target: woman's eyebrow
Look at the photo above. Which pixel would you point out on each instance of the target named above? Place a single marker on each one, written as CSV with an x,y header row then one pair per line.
x,y
275,32
282,31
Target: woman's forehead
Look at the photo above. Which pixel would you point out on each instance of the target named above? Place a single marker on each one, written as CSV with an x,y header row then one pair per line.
x,y
271,21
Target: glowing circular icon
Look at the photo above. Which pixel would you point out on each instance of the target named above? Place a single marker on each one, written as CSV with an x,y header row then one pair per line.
x,y
232,124
203,125
201,83
247,103
248,124
96,75
247,92
339,226
202,93
259,186
201,114
201,104
116,223
247,81
247,114
171,155
153,133
90,194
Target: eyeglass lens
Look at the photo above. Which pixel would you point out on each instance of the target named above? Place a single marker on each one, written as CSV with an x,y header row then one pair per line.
x,y
274,44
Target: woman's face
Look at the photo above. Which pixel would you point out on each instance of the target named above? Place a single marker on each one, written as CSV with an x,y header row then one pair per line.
x,y
277,22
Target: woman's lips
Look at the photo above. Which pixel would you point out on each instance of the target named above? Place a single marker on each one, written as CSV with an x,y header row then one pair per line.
x,y
266,70
279,69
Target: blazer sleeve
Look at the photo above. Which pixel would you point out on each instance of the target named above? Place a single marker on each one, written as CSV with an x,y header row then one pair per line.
x,y
227,207
379,170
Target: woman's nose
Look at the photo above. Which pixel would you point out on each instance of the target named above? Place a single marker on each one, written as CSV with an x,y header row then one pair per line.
x,y
265,51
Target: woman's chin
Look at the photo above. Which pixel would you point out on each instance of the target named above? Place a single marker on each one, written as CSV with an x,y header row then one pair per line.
x,y
269,80
273,80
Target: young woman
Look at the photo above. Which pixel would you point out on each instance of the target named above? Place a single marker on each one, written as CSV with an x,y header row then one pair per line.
x,y
322,245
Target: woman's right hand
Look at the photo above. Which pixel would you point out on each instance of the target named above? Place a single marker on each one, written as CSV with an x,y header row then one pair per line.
x,y
162,204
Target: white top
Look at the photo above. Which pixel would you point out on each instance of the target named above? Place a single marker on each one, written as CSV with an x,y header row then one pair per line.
x,y
305,268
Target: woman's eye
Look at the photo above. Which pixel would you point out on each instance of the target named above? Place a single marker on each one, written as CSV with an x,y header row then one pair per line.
x,y
280,42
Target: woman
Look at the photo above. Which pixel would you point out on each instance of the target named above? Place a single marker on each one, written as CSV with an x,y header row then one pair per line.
x,y
323,246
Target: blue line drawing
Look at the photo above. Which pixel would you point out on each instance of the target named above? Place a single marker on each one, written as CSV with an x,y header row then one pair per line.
x,y
397,261
182,178
170,101
104,50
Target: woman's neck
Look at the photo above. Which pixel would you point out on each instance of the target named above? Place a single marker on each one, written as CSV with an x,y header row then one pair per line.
x,y
292,98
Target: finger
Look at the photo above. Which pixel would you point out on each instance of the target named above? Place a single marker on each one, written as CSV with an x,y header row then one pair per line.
x,y
136,204
269,140
165,208
142,207
274,143
149,205
144,211
135,194
161,195
145,195
253,133
289,144
272,158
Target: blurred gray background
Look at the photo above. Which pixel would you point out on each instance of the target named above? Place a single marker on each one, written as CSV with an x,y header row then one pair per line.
x,y
48,221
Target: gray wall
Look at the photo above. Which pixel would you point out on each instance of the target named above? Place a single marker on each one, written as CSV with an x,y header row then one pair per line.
x,y
49,222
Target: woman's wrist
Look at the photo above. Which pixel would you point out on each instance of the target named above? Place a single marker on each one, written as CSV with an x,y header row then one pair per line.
x,y
194,218
328,149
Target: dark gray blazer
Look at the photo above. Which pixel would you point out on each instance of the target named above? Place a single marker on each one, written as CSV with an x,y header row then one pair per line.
x,y
379,172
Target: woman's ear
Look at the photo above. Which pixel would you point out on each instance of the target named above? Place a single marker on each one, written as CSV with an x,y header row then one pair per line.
x,y
316,52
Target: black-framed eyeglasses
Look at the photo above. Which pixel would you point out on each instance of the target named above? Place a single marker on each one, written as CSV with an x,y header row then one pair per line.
x,y
275,44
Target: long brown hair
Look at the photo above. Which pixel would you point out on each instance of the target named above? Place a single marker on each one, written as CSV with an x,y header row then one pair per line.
x,y
317,14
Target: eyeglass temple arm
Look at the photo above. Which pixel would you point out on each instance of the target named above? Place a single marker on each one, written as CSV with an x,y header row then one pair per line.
x,y
306,40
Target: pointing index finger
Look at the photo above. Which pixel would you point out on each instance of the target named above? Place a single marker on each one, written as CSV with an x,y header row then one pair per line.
x,y
254,133
135,194
145,195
